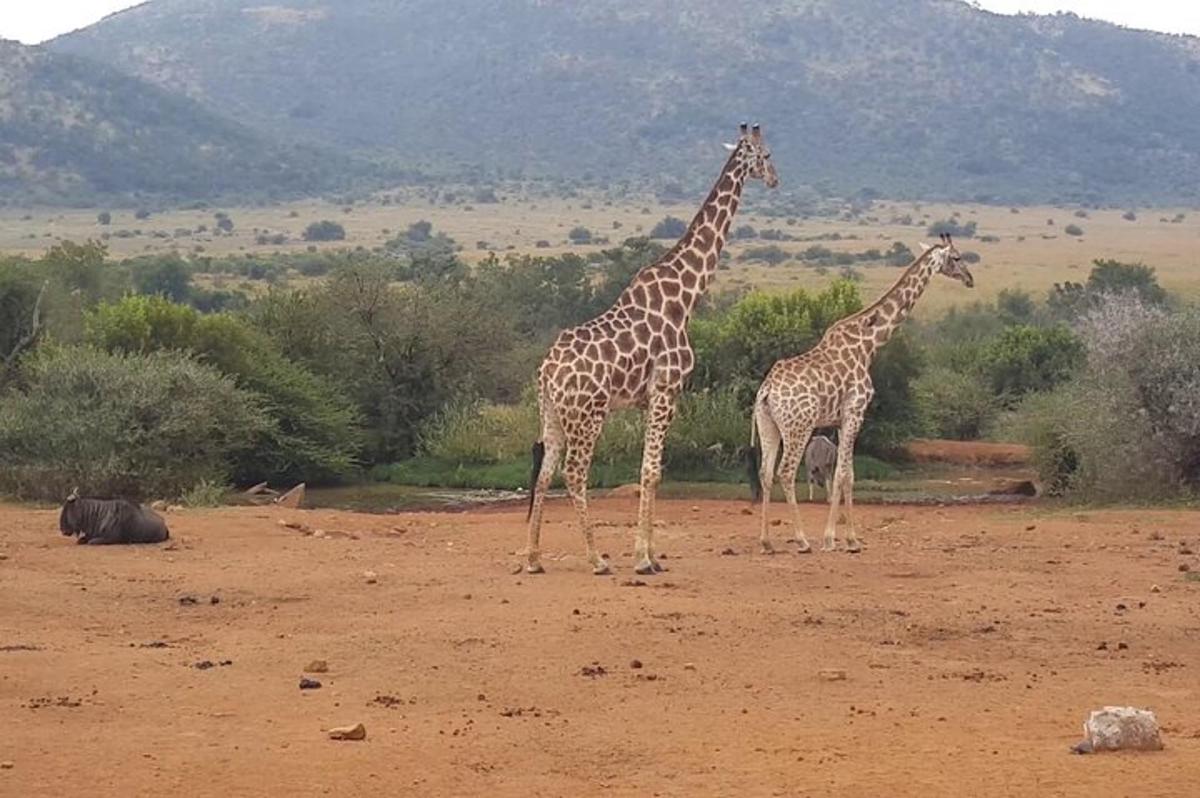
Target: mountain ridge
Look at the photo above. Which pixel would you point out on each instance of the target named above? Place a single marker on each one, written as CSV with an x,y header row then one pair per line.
x,y
920,98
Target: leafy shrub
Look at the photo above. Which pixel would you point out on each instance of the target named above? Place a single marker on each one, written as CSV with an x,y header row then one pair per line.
x,y
324,230
953,228
771,254
104,218
953,404
580,235
316,437
1073,230
669,227
1128,426
135,425
1024,359
743,232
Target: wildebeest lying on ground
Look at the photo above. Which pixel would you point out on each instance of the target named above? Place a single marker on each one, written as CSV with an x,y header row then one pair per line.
x,y
104,521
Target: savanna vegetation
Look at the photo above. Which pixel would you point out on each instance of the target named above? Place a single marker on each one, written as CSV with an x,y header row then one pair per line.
x,y
409,365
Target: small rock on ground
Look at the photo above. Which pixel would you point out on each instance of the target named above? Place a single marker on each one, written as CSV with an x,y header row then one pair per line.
x,y
355,732
1120,729
832,674
309,684
317,666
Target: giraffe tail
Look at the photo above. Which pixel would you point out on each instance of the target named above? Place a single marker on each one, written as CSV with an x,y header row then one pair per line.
x,y
539,454
753,456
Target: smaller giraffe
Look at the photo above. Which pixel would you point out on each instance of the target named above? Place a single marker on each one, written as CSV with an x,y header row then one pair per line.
x,y
830,385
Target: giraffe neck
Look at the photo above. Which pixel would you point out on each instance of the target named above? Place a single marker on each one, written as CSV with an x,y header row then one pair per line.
x,y
692,262
888,312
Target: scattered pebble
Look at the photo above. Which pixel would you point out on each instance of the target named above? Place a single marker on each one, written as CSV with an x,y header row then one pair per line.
x,y
187,601
728,552
1122,646
1030,527
355,732
689,666
371,577
1184,567
1155,589
1102,647
317,666
636,664
215,600
832,674
747,511
516,569
6,765
309,684
205,664
593,670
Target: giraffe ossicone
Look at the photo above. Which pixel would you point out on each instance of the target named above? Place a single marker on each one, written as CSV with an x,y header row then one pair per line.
x,y
635,354
830,385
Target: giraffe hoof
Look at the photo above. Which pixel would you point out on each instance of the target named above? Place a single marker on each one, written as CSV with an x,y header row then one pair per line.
x,y
658,567
767,548
854,547
601,570
534,568
645,568
829,545
802,547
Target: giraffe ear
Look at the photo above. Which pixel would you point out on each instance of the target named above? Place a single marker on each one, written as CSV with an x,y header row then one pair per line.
x,y
728,146
924,247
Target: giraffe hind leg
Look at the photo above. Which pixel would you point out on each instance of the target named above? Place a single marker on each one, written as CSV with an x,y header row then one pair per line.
x,y
581,443
659,414
769,439
552,448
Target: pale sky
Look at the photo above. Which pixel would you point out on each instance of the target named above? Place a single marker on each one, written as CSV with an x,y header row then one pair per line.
x,y
33,21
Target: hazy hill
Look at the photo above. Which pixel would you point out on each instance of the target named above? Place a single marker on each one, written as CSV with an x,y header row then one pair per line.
x,y
73,130
925,98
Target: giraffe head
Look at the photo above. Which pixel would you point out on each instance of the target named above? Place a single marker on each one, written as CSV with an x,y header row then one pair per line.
x,y
947,260
754,155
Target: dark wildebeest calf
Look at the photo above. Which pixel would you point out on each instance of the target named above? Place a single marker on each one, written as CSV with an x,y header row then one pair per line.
x,y
104,521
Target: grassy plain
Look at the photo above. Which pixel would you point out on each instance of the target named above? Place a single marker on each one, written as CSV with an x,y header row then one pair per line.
x,y
1021,250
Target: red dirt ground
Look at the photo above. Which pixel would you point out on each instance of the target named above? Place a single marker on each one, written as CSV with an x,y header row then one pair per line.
x,y
969,637
970,453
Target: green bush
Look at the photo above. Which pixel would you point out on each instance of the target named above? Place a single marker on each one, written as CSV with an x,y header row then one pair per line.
x,y
669,227
316,437
1127,427
953,404
325,230
1024,359
138,425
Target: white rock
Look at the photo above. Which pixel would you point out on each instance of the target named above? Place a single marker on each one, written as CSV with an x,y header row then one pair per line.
x,y
1120,729
355,732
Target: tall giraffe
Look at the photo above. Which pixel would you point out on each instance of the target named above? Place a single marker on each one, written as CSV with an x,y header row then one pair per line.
x,y
636,353
830,385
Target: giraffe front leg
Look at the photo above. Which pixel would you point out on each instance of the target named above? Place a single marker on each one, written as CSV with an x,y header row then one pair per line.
x,y
659,413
